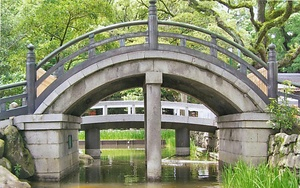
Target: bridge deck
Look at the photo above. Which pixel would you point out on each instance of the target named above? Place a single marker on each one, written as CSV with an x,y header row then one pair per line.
x,y
205,120
126,121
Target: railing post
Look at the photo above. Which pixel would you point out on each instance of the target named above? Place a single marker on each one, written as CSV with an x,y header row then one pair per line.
x,y
213,51
105,110
128,110
3,107
122,42
91,50
243,69
31,79
272,72
183,42
133,109
152,26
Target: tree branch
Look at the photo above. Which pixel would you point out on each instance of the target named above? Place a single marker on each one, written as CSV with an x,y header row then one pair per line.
x,y
289,57
241,4
230,31
236,37
276,22
66,30
166,10
252,19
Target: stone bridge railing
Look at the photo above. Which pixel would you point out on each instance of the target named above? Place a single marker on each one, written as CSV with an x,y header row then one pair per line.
x,y
150,34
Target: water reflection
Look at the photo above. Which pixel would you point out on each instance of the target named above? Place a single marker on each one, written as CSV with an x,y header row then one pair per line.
x,y
124,168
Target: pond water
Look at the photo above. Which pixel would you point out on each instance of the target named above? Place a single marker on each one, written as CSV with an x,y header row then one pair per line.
x,y
121,168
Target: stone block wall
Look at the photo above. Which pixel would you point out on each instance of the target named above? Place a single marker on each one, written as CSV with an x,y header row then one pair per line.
x,y
243,137
209,141
284,150
53,142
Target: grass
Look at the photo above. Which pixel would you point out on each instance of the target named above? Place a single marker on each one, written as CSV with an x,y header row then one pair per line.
x,y
139,134
134,134
263,176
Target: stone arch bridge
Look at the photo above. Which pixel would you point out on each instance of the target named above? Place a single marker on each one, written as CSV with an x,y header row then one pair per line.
x,y
202,64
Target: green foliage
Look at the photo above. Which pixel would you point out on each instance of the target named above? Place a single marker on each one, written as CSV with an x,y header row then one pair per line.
x,y
51,23
247,176
132,134
283,116
135,94
47,25
122,134
286,38
17,169
272,22
11,68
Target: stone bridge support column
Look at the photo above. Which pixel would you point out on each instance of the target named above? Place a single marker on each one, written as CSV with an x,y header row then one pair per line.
x,y
92,142
244,137
182,141
52,140
153,83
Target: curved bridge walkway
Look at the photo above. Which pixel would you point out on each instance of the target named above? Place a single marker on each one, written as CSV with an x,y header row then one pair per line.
x,y
150,54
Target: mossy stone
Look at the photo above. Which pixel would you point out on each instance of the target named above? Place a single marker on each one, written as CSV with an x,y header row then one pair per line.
x,y
17,153
2,144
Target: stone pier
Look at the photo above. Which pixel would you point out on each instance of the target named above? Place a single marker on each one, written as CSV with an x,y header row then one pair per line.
x,y
92,142
182,141
53,142
244,137
153,83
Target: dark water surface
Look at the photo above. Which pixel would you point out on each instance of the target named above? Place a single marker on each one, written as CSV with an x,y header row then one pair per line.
x,y
126,168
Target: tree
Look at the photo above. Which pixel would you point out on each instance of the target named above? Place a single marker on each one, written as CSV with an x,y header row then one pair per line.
x,y
257,18
48,24
9,69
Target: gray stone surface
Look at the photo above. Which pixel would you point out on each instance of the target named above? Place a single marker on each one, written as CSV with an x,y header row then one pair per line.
x,y
272,145
16,152
180,67
2,132
8,180
85,159
153,125
284,150
2,142
244,136
297,146
5,163
53,142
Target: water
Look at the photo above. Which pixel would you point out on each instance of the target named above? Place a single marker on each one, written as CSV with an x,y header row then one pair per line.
x,y
121,168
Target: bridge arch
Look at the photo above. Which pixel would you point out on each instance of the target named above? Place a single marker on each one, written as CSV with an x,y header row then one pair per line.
x,y
188,64
223,89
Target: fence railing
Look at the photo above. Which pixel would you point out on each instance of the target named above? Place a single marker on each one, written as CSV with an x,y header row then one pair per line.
x,y
291,96
172,108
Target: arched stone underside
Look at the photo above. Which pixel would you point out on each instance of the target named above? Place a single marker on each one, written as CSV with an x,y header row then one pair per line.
x,y
222,89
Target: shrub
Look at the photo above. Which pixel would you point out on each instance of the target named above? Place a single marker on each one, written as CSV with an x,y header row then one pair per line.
x,y
284,117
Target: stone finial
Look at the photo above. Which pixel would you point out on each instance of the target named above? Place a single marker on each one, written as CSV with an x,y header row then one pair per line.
x,y
92,35
30,54
152,1
30,47
272,53
272,46
152,7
